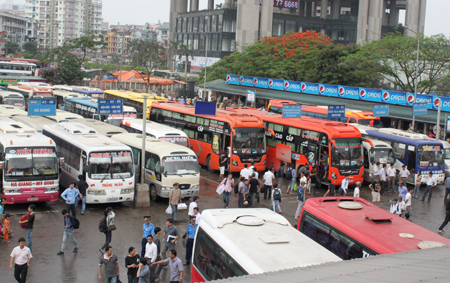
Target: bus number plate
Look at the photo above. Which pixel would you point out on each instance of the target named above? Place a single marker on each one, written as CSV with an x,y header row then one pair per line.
x,y
112,199
32,199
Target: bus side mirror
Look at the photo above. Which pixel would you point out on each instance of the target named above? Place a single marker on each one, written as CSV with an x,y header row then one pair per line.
x,y
372,160
61,160
161,169
85,168
1,164
191,147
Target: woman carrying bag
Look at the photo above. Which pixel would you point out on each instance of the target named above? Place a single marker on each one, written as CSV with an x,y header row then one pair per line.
x,y
109,215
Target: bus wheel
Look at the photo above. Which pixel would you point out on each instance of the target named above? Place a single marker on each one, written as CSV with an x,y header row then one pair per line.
x,y
153,195
208,164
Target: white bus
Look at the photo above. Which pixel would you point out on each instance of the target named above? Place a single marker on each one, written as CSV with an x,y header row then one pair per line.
x,y
12,98
236,242
62,115
35,85
156,130
17,68
31,92
29,168
101,127
10,111
10,126
61,95
35,122
107,165
165,164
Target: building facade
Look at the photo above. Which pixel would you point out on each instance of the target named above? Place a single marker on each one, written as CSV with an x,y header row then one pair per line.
x,y
13,28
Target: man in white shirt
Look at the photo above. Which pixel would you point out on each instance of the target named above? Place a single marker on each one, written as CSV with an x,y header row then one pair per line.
x,y
192,205
431,183
151,251
198,215
404,174
255,172
376,170
356,191
21,256
163,94
408,201
391,173
344,186
246,172
383,179
394,208
268,178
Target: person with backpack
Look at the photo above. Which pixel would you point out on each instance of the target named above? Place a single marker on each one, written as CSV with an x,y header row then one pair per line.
x,y
70,223
108,226
276,198
290,176
27,222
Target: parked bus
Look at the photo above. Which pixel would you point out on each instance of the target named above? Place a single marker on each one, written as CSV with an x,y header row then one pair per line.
x,y
62,115
165,164
101,127
242,134
35,85
17,68
10,111
354,228
237,242
10,126
166,74
31,92
88,108
61,95
447,157
133,99
315,142
321,112
29,168
89,91
12,98
415,151
155,130
35,122
106,164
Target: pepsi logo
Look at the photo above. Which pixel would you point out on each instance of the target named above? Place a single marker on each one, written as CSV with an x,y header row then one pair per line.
x,y
270,83
362,93
228,78
255,81
385,96
286,85
303,87
242,79
410,99
341,91
322,89
436,102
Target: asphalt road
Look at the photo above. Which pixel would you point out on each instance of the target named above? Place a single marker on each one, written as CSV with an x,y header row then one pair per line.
x,y
82,266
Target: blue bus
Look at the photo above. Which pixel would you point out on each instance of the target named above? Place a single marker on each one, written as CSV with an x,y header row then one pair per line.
x,y
91,92
415,151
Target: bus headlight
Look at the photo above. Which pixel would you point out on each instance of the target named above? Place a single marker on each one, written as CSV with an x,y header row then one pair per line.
x,y
97,192
333,176
51,190
196,187
126,191
166,188
235,163
12,191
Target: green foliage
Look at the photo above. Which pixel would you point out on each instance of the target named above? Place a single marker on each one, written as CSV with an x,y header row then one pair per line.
x,y
112,67
30,48
12,47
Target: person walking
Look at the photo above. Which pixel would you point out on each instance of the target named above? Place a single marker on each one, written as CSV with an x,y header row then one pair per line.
x,y
245,172
223,159
446,220
151,253
175,266
132,264
276,198
404,174
431,183
344,186
417,184
174,199
402,190
147,229
192,205
190,232
408,198
383,179
229,184
391,175
357,190
157,242
268,178
111,264
143,272
300,199
21,256
243,193
254,188
198,215
82,186
376,169
30,221
69,196
376,187
447,188
2,208
69,222
6,228
280,174
331,189
171,236
110,226
395,208
290,176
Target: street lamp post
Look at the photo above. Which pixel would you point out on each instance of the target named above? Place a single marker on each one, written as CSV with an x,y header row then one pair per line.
x,y
415,72
206,57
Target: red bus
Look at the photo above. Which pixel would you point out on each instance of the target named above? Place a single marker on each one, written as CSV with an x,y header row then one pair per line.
x,y
354,228
312,141
321,112
241,133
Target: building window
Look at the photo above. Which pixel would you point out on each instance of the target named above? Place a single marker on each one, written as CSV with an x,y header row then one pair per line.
x,y
195,24
184,25
200,23
189,24
214,23
207,24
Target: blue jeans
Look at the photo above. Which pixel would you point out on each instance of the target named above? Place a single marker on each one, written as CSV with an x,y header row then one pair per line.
x,y
291,184
72,237
29,237
416,191
83,203
174,211
111,279
226,198
276,203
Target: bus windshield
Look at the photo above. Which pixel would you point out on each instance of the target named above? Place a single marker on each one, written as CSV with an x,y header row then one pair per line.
x,y
14,101
347,153
176,140
110,165
382,155
370,122
29,163
249,141
430,155
177,165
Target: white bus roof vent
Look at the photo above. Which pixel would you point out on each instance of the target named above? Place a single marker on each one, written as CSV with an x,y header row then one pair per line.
x,y
250,220
77,128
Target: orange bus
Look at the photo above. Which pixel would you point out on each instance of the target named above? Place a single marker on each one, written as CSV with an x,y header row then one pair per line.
x,y
31,93
241,134
351,115
334,148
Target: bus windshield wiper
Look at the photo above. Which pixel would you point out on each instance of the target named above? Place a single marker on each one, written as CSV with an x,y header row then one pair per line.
x,y
120,177
104,178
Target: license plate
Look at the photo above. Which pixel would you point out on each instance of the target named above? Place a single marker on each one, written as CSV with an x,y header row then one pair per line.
x,y
32,199
350,181
112,199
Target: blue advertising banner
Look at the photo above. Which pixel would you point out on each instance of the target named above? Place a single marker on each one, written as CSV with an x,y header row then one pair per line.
x,y
445,106
110,106
380,110
328,90
310,88
409,99
336,111
261,82
246,81
348,92
292,86
393,97
420,108
292,111
369,94
232,79
276,84
45,107
205,108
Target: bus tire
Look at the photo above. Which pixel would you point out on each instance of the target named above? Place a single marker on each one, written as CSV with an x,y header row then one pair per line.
x,y
208,164
153,194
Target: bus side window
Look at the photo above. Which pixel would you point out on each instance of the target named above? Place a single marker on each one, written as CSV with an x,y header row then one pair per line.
x,y
316,230
352,120
366,159
344,248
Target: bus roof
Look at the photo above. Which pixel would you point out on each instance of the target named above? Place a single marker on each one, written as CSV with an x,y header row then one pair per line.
x,y
374,227
9,111
87,92
35,122
28,88
401,136
65,93
9,93
62,115
232,117
270,245
163,148
86,100
10,126
152,127
25,139
136,96
101,127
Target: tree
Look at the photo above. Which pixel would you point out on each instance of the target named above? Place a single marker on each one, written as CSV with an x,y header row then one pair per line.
x,y
149,54
393,57
184,50
31,48
12,48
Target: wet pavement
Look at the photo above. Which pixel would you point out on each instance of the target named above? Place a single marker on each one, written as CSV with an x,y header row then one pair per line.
x,y
82,266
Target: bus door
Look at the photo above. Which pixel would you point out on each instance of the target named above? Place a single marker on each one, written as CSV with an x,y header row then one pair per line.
x,y
367,162
217,146
152,168
84,165
411,163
